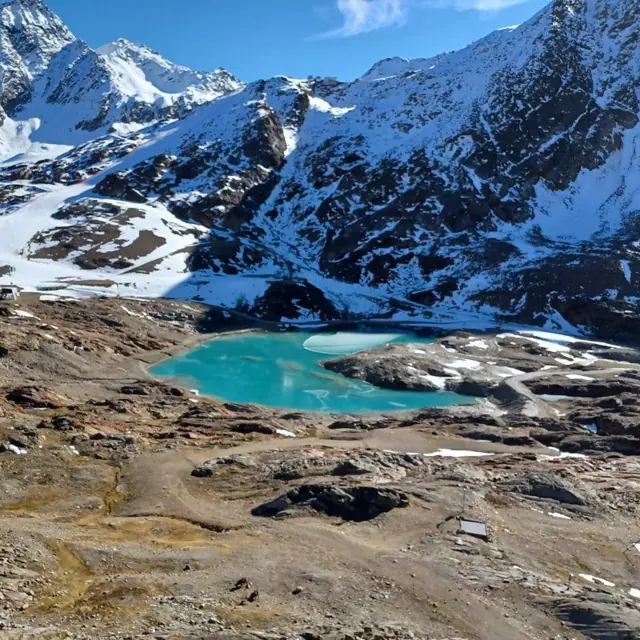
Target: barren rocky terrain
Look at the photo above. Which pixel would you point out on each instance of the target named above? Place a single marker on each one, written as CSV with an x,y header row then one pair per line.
x,y
132,508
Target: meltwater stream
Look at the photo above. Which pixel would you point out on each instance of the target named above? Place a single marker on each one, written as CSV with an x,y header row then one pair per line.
x,y
283,370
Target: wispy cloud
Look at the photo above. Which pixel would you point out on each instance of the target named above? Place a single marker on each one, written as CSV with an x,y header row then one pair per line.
x,y
363,16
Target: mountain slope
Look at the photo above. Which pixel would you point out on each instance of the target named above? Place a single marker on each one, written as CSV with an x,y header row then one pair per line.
x,y
497,182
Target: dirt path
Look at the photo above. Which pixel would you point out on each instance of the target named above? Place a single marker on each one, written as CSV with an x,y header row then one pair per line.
x,y
545,411
158,484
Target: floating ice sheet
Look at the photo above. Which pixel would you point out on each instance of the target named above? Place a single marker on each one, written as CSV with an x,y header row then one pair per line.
x,y
344,342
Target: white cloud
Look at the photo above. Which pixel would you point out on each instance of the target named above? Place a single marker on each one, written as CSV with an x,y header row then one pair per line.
x,y
362,16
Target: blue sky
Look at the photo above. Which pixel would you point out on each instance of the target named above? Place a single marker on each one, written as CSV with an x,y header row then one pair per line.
x,y
261,38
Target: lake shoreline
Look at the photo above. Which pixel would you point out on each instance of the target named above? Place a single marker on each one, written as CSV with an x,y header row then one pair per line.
x,y
292,372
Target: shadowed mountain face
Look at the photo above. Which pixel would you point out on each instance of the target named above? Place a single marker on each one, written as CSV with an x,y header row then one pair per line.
x,y
499,181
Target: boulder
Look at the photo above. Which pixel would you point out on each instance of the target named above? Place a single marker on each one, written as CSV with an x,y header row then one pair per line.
x,y
253,427
202,472
34,398
354,467
480,384
349,503
547,486
135,390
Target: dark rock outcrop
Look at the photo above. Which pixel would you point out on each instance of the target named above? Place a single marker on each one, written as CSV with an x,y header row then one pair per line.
x,y
34,398
202,472
596,388
349,503
293,300
386,369
422,367
546,486
598,616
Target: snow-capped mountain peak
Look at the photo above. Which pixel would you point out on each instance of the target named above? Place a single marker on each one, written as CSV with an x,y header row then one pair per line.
x,y
144,72
70,93
30,35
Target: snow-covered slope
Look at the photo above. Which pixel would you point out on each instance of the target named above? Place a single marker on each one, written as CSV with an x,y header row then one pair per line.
x,y
501,180
142,73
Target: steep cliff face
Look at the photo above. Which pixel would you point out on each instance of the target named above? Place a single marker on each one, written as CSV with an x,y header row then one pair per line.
x,y
499,180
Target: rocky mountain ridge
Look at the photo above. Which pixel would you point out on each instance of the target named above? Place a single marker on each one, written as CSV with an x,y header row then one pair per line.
x,y
496,183
71,93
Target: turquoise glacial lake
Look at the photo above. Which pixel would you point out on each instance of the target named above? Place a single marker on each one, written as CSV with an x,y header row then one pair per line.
x,y
283,370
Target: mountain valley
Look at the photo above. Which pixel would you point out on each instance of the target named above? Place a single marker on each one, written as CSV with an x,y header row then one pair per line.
x,y
482,207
